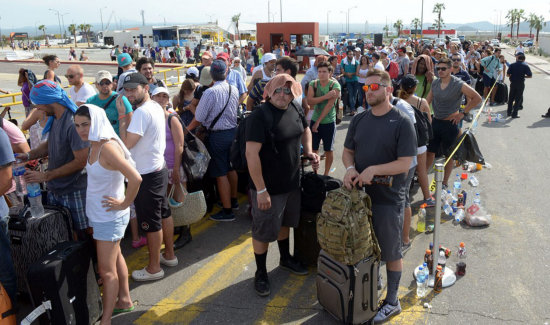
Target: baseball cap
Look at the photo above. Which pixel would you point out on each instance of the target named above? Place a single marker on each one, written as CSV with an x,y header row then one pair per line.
x,y
124,59
402,49
357,49
218,67
223,56
206,78
236,59
103,74
408,81
159,90
384,51
193,71
269,57
132,80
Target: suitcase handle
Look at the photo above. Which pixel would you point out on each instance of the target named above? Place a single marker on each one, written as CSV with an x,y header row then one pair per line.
x,y
37,312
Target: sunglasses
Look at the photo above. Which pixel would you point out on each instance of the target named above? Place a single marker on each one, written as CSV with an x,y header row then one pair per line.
x,y
441,68
105,83
456,60
69,76
284,90
373,87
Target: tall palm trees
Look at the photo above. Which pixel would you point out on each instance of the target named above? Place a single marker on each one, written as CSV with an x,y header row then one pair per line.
x,y
72,29
398,25
85,28
520,15
415,23
538,24
43,29
511,16
438,9
236,19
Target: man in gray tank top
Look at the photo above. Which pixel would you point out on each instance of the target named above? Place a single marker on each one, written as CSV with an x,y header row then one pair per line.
x,y
446,96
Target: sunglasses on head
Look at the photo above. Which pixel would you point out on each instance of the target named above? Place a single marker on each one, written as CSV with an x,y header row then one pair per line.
x,y
373,87
284,90
69,76
105,83
441,68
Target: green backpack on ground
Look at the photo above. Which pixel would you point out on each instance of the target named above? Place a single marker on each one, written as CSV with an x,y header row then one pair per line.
x,y
344,226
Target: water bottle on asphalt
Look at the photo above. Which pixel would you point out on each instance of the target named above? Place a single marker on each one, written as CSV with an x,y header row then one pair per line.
x,y
438,281
420,280
459,216
421,223
441,261
35,199
427,277
457,186
462,250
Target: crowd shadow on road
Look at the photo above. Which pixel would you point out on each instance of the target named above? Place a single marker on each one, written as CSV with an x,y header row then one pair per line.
x,y
543,122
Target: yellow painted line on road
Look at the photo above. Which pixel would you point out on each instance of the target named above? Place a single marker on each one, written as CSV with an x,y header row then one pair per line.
x,y
138,259
275,309
412,307
210,279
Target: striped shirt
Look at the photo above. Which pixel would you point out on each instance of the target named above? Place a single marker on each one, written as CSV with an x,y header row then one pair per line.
x,y
212,103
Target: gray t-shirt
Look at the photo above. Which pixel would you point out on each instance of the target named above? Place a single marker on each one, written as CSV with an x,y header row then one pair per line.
x,y
446,101
62,141
379,140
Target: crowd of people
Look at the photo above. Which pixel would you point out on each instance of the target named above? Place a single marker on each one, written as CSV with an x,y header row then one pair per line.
x,y
113,152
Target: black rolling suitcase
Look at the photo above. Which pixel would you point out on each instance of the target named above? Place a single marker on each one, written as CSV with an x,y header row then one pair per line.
x,y
348,292
33,237
66,278
501,96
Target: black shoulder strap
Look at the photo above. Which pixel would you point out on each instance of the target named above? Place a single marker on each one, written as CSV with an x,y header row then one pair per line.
x,y
110,101
394,101
220,114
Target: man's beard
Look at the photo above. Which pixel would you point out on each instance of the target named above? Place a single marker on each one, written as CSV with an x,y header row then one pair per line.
x,y
374,101
138,101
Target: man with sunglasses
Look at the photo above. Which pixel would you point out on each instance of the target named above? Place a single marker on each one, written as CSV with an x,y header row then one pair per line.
x,y
107,99
457,69
80,90
380,142
446,97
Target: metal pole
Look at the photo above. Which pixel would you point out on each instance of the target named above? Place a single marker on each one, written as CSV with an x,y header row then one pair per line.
x,y
1,39
327,20
268,11
281,9
421,18
101,16
439,170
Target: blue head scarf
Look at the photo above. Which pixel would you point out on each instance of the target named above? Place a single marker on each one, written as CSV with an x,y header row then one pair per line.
x,y
48,92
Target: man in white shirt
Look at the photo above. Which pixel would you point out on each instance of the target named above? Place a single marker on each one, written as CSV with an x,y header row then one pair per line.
x,y
146,139
80,90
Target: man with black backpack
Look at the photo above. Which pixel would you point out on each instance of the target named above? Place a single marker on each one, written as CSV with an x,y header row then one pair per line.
x,y
273,157
107,99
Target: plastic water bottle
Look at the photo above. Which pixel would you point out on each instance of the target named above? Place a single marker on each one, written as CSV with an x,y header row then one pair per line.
x,y
442,260
459,216
462,250
498,118
427,277
474,181
420,280
447,208
477,200
18,171
35,199
421,223
457,186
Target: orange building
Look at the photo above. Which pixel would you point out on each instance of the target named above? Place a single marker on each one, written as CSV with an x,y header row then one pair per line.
x,y
270,34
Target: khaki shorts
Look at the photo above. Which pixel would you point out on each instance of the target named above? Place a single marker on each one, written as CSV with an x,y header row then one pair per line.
x,y
284,211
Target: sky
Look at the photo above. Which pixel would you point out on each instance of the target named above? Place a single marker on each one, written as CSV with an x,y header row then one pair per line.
x,y
33,12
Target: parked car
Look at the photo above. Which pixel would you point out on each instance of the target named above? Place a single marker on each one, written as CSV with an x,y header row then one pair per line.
x,y
462,38
495,42
455,40
528,43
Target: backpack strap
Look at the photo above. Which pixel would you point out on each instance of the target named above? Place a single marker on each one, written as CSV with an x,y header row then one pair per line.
x,y
110,101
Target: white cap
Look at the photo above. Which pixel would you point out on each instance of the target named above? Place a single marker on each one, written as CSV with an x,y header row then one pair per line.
x,y
159,90
193,71
103,74
269,57
357,49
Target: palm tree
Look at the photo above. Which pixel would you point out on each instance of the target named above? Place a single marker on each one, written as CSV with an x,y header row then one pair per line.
x,y
511,16
538,25
43,29
532,18
85,28
520,15
438,9
398,25
387,30
236,19
415,23
72,29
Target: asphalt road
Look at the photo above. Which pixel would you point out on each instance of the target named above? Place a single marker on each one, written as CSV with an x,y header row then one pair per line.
x,y
507,265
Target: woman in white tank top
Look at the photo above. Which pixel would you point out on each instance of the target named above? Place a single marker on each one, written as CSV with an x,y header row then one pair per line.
x,y
107,206
362,70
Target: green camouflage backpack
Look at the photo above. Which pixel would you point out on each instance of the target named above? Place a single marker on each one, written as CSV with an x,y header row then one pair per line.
x,y
344,226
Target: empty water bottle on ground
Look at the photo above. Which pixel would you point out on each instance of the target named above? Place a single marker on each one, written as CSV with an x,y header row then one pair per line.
x,y
420,280
457,186
459,215
421,223
448,208
462,250
442,260
473,181
427,277
35,199
18,171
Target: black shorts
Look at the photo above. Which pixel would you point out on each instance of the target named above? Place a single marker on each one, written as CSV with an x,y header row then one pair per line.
x,y
325,133
445,134
151,203
387,221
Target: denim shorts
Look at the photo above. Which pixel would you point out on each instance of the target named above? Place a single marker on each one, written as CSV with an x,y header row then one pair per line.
x,y
111,231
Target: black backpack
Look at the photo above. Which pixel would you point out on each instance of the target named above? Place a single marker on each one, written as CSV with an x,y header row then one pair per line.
x,y
423,127
237,153
314,190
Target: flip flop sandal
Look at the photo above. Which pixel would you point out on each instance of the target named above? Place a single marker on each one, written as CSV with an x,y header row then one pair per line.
x,y
123,310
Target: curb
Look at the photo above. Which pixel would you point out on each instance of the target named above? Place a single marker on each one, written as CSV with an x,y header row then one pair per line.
x,y
533,65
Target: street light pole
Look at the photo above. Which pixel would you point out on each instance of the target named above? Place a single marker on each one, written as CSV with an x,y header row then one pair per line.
x,y
328,12
348,17
366,27
58,21
281,9
421,19
63,23
101,16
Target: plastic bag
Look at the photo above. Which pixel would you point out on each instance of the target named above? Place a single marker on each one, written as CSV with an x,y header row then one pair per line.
x,y
476,216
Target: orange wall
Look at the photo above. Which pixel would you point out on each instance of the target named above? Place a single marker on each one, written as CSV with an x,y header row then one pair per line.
x,y
264,31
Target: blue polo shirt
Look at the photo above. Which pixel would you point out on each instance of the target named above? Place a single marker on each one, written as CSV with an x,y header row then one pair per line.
x,y
518,70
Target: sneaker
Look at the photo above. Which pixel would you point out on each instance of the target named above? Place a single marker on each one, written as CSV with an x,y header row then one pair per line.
x,y
386,311
293,266
221,216
184,237
261,284
430,202
493,104
142,241
234,206
142,275
166,262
